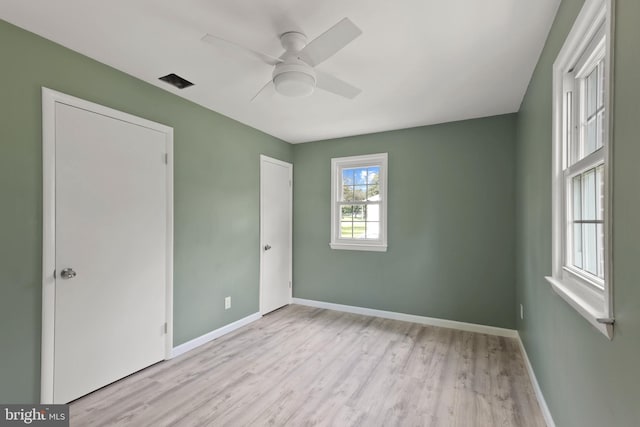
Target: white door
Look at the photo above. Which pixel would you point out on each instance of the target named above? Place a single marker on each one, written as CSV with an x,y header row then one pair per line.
x,y
275,231
111,233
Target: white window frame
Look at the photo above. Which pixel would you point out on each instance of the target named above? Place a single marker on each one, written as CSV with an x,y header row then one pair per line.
x,y
592,297
337,165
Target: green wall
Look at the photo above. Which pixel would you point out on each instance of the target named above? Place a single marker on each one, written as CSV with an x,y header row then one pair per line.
x,y
451,224
586,379
216,198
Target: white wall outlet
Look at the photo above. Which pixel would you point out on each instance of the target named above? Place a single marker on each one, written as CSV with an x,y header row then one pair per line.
x,y
227,303
521,311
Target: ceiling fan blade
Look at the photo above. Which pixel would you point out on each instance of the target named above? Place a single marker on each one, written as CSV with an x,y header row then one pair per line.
x,y
215,40
335,85
264,88
330,42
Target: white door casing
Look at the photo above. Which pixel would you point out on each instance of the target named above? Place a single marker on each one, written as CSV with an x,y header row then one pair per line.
x,y
276,197
108,215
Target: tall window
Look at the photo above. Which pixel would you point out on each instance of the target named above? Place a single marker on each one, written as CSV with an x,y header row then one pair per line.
x,y
582,168
359,202
584,165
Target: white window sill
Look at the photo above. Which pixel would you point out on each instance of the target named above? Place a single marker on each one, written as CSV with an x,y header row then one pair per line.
x,y
359,247
589,304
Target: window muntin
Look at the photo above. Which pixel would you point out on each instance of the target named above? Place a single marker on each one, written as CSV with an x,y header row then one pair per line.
x,y
359,202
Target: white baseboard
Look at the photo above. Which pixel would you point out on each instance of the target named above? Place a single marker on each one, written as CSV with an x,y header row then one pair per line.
x,y
210,336
536,387
431,321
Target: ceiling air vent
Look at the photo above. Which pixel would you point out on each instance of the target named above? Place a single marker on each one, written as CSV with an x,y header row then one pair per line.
x,y
177,81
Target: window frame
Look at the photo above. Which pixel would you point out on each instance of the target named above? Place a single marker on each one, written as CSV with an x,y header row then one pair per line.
x,y
337,165
591,34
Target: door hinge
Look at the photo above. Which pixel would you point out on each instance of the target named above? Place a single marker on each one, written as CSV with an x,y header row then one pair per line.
x,y
166,158
166,328
289,284
289,183
54,274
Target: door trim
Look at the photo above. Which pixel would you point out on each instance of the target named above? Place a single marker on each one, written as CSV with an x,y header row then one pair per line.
x,y
49,100
289,166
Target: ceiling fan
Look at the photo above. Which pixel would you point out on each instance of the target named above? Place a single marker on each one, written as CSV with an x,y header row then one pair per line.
x,y
294,72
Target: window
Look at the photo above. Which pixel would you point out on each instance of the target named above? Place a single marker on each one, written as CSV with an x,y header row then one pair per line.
x,y
582,168
359,203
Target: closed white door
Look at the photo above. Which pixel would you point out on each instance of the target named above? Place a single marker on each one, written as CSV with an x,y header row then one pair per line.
x,y
275,230
110,250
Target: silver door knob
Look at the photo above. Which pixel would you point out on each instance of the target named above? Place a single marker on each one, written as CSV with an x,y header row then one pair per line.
x,y
68,273
267,247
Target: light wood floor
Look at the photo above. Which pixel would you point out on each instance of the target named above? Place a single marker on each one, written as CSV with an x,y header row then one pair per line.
x,y
305,366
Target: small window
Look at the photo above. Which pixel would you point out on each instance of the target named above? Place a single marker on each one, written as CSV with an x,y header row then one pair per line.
x,y
582,167
359,202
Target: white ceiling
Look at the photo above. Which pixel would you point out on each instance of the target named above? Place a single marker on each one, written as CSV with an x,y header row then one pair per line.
x,y
418,62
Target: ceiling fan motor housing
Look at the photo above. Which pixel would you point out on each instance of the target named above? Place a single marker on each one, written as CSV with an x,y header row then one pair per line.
x,y
293,41
294,77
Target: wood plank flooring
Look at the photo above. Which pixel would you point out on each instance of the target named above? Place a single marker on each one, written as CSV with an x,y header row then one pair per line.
x,y
303,366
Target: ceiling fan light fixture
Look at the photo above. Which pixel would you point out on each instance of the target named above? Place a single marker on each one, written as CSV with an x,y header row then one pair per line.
x,y
294,84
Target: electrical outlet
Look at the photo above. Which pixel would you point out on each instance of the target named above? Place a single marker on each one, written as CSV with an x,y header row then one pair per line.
x,y
521,311
227,303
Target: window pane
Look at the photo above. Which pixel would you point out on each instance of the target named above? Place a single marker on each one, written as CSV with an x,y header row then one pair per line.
x,y
346,213
360,193
592,92
358,212
600,129
373,175
600,231
590,136
600,216
347,193
589,195
601,84
346,229
577,245
590,248
373,212
347,177
600,192
373,192
359,229
373,230
568,130
577,197
360,176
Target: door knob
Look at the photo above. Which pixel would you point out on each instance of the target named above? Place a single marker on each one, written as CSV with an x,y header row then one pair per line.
x,y
267,247
68,273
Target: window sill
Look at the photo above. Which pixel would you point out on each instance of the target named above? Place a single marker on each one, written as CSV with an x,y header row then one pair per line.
x,y
359,247
586,302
